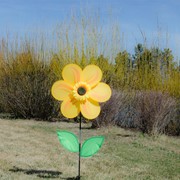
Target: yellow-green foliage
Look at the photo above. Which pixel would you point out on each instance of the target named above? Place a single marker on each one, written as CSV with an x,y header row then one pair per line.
x,y
172,84
147,72
25,84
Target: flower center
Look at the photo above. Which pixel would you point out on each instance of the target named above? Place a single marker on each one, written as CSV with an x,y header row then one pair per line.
x,y
80,91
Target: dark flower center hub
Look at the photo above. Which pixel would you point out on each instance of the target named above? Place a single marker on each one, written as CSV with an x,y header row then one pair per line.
x,y
81,91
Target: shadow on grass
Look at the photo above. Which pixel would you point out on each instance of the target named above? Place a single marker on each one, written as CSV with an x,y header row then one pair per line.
x,y
39,173
72,178
88,128
124,135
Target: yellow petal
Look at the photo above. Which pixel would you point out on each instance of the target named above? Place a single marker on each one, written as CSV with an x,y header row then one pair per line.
x,y
92,74
72,73
101,93
61,90
90,109
70,108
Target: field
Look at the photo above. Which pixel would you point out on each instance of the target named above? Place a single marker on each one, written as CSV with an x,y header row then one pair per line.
x,y
30,150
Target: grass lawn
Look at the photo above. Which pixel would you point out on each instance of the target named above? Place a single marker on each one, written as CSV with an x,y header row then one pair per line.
x,y
30,150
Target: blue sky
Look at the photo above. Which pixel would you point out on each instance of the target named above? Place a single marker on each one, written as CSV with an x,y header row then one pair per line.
x,y
134,17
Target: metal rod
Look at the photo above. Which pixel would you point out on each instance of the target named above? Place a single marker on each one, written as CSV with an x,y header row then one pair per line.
x,y
79,166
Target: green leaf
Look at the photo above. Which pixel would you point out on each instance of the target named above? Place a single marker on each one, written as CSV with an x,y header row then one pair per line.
x,y
68,140
91,146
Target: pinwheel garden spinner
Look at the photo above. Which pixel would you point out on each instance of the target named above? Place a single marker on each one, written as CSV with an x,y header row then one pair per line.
x,y
81,92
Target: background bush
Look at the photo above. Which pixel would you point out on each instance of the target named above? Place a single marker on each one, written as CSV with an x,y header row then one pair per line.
x,y
156,111
150,112
25,85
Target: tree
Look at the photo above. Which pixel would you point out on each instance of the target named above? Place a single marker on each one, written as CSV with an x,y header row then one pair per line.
x,y
123,67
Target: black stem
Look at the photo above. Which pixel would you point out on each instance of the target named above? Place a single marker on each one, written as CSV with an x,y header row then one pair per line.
x,y
79,167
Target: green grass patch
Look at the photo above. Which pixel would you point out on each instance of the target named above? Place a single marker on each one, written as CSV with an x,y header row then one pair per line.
x,y
31,150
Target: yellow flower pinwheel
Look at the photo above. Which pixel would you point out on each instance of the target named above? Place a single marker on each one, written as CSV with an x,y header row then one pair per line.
x,y
81,91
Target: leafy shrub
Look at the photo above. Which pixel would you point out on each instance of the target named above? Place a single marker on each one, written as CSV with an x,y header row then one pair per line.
x,y
150,112
173,127
119,110
156,110
25,85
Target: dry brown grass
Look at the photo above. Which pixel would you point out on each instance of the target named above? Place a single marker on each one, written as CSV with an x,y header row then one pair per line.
x,y
30,150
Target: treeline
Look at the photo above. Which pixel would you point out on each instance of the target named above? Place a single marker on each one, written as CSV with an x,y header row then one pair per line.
x,y
150,76
147,69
